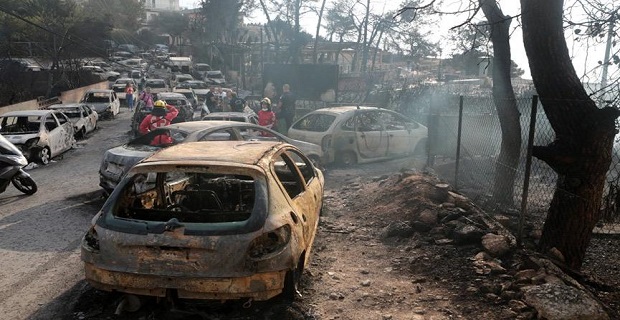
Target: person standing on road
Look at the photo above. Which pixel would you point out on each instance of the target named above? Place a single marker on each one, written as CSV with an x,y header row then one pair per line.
x,y
236,104
211,99
266,117
286,109
147,98
162,115
129,95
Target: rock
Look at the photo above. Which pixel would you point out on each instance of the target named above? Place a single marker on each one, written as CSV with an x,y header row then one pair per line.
x,y
443,241
467,234
459,200
387,317
420,226
561,302
556,254
495,245
525,276
428,217
440,193
401,229
365,283
517,305
482,256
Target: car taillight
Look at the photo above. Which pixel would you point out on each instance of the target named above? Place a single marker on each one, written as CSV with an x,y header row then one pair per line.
x,y
326,143
91,241
270,243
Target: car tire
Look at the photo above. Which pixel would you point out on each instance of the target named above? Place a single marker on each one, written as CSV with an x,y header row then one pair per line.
x,y
347,158
81,134
25,184
291,284
44,155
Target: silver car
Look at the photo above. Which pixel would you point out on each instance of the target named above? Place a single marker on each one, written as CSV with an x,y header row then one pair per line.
x,y
39,134
117,161
353,134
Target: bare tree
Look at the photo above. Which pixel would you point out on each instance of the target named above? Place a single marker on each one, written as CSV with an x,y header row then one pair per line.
x,y
581,152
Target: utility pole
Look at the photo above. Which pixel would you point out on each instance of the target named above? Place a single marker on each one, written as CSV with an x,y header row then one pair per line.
x,y
607,52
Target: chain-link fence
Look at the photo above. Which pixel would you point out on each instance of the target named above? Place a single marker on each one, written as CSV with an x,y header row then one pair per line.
x,y
473,169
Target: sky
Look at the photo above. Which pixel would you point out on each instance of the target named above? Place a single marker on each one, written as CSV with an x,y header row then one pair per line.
x,y
584,56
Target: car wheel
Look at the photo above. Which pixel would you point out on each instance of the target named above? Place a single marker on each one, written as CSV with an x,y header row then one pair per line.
x,y
24,184
81,133
347,158
44,156
420,148
291,284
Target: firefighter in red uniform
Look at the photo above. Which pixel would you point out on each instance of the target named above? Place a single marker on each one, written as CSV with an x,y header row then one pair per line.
x,y
161,115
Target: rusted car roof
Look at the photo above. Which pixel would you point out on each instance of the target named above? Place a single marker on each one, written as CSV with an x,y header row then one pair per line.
x,y
344,109
243,152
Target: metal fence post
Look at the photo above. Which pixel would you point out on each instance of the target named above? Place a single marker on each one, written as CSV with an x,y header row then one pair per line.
x,y
458,144
528,168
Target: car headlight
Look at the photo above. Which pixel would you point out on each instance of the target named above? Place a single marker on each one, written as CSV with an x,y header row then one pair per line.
x,y
269,244
91,241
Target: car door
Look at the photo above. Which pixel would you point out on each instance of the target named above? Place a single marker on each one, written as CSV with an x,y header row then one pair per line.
x,y
66,132
400,133
298,180
371,138
89,117
54,133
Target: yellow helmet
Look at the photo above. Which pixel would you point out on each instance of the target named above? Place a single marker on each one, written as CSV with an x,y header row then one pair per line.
x,y
159,104
266,100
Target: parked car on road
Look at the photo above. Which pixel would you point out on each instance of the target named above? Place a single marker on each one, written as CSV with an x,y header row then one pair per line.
x,y
84,118
39,134
179,101
352,134
156,85
217,220
105,102
215,77
117,161
232,116
103,74
175,79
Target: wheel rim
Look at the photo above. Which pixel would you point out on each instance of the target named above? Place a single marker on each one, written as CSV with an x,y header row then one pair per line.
x,y
24,185
44,155
347,158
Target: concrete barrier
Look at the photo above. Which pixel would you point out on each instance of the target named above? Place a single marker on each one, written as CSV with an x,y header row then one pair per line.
x,y
70,96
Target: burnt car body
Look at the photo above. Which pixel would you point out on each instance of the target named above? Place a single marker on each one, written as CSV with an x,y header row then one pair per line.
x,y
179,101
84,118
105,102
208,220
232,116
117,161
357,134
39,134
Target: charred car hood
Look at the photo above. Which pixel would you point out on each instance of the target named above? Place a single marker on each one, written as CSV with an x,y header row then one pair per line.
x,y
127,155
99,107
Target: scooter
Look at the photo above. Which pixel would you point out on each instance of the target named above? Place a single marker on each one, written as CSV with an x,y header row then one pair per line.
x,y
12,162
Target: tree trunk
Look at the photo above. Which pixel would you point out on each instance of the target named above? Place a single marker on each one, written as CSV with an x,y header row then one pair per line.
x,y
581,152
505,104
365,43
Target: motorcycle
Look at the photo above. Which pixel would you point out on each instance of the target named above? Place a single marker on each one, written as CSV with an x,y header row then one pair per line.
x,y
12,162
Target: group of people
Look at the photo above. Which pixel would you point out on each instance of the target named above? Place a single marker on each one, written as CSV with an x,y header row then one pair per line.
x,y
162,114
281,118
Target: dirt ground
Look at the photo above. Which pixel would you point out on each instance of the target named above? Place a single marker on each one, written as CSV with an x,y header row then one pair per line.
x,y
358,272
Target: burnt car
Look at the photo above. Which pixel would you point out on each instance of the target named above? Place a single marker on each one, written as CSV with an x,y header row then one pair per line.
x,y
217,220
179,101
84,118
118,160
39,134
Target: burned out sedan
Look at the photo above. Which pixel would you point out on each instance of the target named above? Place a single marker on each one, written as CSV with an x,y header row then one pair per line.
x,y
208,220
118,160
39,134
84,118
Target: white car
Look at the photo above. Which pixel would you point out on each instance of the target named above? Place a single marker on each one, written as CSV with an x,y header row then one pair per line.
x,y
354,134
84,118
39,134
104,101
103,74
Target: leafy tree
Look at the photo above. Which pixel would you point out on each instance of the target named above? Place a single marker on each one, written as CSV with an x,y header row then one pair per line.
x,y
122,14
173,23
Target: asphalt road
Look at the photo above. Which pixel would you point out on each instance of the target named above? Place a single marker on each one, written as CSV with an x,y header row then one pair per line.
x,y
40,234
